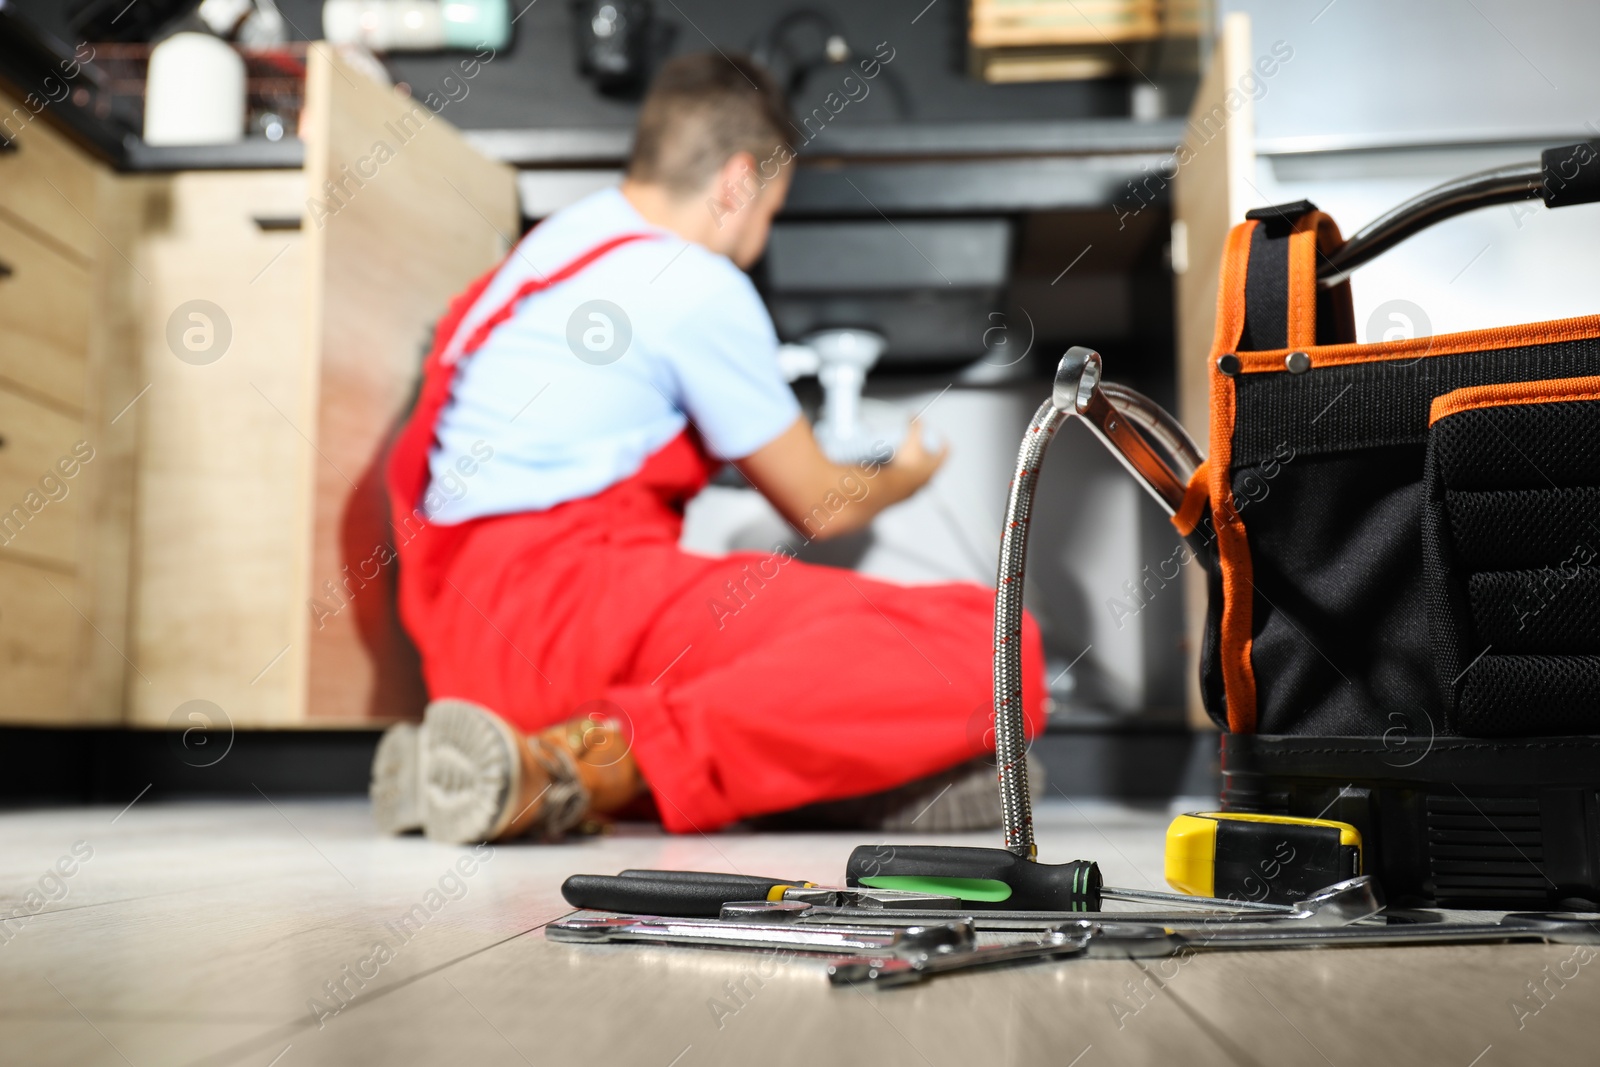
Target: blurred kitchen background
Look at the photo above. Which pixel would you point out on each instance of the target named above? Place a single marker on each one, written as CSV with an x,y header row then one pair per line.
x,y
1002,187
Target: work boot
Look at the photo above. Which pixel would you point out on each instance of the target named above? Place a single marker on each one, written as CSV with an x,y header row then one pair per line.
x,y
396,789
482,780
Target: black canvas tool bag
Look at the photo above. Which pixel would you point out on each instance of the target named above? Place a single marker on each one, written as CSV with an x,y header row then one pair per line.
x,y
1402,544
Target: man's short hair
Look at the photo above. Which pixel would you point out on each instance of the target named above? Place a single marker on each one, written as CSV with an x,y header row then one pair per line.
x,y
701,111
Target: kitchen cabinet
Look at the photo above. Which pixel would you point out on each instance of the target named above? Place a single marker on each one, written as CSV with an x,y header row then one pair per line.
x,y
42,526
220,358
44,315
223,444
49,186
261,516
1212,189
65,460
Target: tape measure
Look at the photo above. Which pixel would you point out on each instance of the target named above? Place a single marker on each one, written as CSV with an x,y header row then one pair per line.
x,y
1270,858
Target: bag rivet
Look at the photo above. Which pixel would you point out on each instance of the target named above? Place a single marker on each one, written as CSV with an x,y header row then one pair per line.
x,y
1297,362
1228,364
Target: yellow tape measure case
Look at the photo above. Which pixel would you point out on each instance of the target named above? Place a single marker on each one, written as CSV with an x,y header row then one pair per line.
x,y
1271,858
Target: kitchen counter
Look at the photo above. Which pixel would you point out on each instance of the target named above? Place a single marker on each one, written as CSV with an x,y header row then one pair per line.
x,y
911,142
253,153
883,141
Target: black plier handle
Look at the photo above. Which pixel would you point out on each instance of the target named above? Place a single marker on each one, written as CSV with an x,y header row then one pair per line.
x,y
701,894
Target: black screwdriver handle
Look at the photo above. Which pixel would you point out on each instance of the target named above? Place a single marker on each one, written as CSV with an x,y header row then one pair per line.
x,y
1073,886
637,894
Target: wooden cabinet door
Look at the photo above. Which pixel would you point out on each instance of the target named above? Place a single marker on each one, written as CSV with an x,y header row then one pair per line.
x,y
1210,194
402,215
45,301
44,630
224,410
46,183
65,481
1212,190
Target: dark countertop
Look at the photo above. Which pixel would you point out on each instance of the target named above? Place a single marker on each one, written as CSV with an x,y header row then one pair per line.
x,y
253,153
531,108
936,166
602,147
880,141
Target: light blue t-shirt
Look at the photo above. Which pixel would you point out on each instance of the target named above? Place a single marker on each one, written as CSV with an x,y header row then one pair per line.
x,y
589,377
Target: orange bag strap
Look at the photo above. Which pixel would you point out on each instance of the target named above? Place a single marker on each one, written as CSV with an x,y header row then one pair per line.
x,y
1267,299
1233,549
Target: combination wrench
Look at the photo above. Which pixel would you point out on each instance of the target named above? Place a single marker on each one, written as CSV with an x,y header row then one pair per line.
x,y
1121,941
953,934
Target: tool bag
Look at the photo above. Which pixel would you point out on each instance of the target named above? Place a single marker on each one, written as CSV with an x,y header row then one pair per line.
x,y
1402,545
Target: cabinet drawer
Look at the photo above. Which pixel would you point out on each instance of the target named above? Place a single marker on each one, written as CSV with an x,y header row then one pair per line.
x,y
46,182
42,459
44,317
41,645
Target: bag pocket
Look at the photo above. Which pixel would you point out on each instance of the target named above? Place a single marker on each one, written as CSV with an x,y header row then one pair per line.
x,y
1511,556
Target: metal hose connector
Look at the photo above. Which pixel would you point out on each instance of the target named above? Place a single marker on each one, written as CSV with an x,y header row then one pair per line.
x,y
1157,451
1010,734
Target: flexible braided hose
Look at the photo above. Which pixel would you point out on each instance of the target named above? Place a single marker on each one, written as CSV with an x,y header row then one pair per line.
x,y
1010,736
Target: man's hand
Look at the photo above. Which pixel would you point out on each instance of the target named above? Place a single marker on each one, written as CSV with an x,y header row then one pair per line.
x,y
913,464
822,499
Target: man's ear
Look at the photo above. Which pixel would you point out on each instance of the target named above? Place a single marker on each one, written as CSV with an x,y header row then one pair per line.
x,y
738,182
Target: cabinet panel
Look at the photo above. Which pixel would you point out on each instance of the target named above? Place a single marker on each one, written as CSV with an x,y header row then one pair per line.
x,y
1210,195
45,182
259,462
112,404
44,318
385,258
66,483
224,450
43,456
41,642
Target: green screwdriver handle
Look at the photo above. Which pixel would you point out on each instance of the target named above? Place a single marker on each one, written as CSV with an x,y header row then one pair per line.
x,y
982,877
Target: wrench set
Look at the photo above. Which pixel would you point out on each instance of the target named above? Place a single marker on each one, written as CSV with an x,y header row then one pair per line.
x,y
884,944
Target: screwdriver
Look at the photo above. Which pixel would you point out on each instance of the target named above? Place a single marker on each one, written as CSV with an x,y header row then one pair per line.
x,y
980,877
995,878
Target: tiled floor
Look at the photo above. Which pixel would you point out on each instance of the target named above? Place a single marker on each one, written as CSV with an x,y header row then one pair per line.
x,y
214,934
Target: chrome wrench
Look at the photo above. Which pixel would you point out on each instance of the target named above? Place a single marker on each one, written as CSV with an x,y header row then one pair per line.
x,y
950,935
1094,940
1117,941
1065,941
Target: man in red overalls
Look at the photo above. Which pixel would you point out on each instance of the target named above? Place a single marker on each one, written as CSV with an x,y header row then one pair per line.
x,y
576,398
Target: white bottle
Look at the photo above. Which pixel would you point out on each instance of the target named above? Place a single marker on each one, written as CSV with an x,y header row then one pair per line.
x,y
194,92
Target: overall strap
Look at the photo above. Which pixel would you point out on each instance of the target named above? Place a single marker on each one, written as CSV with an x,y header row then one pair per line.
x,y
535,285
408,462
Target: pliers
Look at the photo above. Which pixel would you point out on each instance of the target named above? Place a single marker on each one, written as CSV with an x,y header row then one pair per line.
x,y
702,894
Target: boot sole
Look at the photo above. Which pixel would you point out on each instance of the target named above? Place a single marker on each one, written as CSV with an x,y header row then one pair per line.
x,y
471,772
396,787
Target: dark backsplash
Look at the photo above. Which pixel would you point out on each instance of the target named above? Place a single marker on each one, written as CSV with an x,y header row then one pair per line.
x,y
536,83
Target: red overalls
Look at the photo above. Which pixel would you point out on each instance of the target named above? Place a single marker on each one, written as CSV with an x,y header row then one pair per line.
x,y
749,684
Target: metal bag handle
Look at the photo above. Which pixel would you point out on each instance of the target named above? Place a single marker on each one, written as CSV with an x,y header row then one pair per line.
x,y
1563,176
